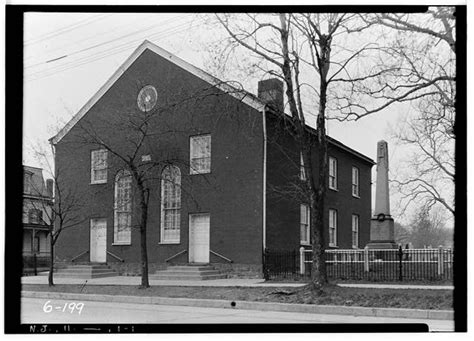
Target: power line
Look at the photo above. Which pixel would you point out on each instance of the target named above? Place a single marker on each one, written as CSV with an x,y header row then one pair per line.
x,y
109,52
92,58
105,43
65,29
76,42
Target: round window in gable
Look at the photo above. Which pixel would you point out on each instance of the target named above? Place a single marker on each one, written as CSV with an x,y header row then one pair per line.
x,y
147,98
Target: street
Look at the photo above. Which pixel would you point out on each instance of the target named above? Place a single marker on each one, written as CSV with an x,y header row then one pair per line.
x,y
35,310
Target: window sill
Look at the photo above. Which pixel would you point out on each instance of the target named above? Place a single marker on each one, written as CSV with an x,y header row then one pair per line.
x,y
355,196
169,243
333,189
200,173
305,243
334,246
98,182
121,244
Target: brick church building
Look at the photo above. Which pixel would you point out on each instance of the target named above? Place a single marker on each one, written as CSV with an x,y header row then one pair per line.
x,y
220,166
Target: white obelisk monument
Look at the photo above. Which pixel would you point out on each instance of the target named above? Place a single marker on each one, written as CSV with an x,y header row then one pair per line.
x,y
382,225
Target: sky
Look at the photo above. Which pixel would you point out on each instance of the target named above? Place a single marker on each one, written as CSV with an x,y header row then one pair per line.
x,y
69,56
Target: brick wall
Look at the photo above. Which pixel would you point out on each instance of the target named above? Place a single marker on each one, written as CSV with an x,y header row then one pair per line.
x,y
283,201
231,193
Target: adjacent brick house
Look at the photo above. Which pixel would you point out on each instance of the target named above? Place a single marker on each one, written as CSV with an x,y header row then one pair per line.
x,y
212,198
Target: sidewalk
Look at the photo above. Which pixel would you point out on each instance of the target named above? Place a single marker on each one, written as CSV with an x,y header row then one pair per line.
x,y
228,282
251,305
135,280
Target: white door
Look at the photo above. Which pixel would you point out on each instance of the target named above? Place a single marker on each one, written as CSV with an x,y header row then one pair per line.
x,y
98,249
199,238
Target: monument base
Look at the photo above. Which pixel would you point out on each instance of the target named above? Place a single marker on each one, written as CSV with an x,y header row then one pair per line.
x,y
382,230
381,245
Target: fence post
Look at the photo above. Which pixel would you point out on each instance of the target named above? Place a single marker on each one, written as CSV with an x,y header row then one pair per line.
x,y
400,264
440,260
366,259
35,264
265,265
302,269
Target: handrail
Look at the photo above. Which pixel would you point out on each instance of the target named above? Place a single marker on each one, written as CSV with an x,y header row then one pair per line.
x,y
79,255
115,256
221,256
176,255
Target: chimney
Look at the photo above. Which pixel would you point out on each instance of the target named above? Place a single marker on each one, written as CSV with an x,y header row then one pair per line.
x,y
271,92
49,187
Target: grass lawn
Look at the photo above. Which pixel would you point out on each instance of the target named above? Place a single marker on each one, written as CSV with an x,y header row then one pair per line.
x,y
333,295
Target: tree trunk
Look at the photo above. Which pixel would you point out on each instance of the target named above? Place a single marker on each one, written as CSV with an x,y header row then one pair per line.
x,y
317,196
51,261
143,213
318,270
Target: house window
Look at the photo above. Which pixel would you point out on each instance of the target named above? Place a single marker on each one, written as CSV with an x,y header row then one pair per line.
x,y
99,166
36,244
355,181
35,216
355,231
332,173
200,154
304,224
170,204
332,227
26,183
302,168
123,208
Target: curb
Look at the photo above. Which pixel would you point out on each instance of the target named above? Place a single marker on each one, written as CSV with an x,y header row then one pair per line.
x,y
396,286
263,306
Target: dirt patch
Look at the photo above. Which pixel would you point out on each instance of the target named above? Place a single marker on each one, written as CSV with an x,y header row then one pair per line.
x,y
331,295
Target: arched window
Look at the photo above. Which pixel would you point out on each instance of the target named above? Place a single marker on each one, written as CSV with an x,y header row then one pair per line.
x,y
170,204
123,208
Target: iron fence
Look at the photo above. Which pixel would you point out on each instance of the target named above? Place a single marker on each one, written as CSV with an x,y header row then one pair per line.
x,y
364,264
32,263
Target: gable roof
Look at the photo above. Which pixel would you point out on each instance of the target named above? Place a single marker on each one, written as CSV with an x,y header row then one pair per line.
x,y
241,95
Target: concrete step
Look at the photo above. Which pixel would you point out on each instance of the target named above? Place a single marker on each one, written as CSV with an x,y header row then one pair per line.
x,y
86,271
172,277
86,276
191,273
188,272
190,268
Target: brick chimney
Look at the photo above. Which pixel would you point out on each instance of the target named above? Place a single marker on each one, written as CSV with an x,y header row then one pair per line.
x,y
271,92
49,187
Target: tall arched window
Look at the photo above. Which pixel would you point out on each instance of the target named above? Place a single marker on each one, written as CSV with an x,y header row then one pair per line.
x,y
123,208
170,204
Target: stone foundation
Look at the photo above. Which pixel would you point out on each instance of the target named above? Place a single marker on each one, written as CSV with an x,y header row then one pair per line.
x,y
240,270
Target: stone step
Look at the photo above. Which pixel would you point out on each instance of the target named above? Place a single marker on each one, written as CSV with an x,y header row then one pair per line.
x,y
188,273
173,277
87,266
86,276
191,268
85,269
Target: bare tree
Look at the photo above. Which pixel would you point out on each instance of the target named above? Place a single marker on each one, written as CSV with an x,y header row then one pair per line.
x,y
426,46
288,47
63,211
337,63
430,175
428,229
